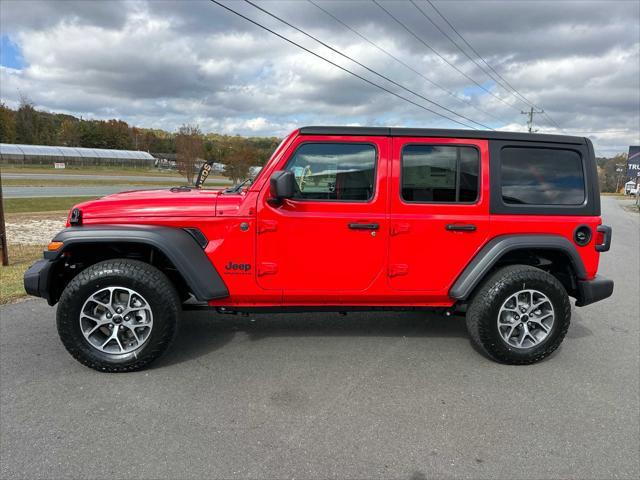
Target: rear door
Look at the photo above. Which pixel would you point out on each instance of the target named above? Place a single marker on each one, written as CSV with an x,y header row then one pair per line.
x,y
439,210
329,243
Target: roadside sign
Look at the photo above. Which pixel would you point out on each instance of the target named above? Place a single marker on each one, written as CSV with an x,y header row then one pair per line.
x,y
59,165
633,162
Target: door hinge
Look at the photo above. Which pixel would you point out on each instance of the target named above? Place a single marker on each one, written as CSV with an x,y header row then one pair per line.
x,y
267,226
398,269
398,228
267,268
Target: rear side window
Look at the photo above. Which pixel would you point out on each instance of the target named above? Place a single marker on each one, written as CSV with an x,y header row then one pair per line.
x,y
334,171
541,176
440,173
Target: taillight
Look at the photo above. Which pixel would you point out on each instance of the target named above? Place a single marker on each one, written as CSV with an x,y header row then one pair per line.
x,y
599,238
603,236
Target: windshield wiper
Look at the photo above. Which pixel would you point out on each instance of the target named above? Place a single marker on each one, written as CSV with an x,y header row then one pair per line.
x,y
238,188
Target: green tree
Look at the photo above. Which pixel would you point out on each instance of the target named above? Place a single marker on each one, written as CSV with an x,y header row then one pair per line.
x,y
7,124
117,134
26,122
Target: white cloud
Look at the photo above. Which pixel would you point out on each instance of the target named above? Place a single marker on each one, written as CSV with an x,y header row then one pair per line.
x,y
161,64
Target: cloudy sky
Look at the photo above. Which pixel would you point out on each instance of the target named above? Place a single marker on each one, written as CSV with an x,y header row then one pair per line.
x,y
163,63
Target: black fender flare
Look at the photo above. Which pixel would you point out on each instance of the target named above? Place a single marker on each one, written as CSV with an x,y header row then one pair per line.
x,y
178,245
497,247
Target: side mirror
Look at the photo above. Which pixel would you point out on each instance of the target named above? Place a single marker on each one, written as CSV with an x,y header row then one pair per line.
x,y
283,185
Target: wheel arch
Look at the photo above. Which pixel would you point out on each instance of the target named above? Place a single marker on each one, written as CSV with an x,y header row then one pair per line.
x,y
553,253
180,251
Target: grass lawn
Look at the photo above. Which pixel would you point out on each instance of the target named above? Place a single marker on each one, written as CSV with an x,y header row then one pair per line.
x,y
141,172
41,204
21,257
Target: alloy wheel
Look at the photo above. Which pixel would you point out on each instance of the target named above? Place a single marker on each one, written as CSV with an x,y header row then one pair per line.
x,y
116,320
526,319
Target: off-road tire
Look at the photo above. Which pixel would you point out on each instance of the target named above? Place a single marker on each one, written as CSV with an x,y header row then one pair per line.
x,y
139,276
485,305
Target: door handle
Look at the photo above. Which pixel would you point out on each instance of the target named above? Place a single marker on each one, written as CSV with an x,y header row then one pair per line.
x,y
364,226
461,227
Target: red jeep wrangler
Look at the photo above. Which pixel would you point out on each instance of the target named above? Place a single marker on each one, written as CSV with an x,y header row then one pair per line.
x,y
501,226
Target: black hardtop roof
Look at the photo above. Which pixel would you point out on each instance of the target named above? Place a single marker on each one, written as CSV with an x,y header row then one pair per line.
x,y
442,132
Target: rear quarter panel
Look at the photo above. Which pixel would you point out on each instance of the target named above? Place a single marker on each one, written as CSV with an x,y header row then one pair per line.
x,y
551,225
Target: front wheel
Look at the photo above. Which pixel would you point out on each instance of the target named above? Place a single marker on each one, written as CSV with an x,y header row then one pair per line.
x,y
519,315
118,315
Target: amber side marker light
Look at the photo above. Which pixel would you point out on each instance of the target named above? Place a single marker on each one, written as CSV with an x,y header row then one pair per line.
x,y
53,246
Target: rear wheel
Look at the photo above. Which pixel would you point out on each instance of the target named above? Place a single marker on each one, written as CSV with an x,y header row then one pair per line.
x,y
519,315
118,315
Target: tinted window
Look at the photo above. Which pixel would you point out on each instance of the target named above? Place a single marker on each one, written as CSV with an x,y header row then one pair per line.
x,y
334,171
432,173
541,176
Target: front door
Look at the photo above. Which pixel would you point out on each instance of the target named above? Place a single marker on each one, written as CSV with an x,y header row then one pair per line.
x,y
439,210
329,242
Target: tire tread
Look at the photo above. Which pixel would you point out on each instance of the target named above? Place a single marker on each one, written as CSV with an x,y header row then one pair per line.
x,y
484,301
134,270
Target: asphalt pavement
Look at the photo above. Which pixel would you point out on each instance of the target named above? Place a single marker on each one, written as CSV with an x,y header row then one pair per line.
x,y
384,395
93,176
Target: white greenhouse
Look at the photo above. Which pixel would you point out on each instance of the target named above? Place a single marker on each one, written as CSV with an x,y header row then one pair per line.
x,y
19,155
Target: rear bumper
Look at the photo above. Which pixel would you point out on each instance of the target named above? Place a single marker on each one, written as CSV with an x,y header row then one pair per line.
x,y
37,280
591,291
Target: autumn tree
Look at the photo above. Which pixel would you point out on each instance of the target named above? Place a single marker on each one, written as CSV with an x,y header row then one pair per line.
x,y
611,173
68,134
189,149
238,159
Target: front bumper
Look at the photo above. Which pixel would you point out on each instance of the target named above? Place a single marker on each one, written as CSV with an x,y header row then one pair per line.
x,y
37,279
591,291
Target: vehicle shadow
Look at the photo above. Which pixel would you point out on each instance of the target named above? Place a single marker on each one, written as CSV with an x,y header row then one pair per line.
x,y
204,332
578,329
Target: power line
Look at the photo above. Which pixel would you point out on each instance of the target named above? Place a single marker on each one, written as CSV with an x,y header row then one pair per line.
x,y
531,104
339,66
364,66
480,56
402,62
455,44
441,57
552,120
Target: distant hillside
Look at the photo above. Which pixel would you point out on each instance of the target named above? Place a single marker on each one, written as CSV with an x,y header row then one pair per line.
x,y
27,125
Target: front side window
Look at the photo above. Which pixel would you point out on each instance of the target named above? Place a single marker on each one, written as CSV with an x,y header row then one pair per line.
x,y
334,171
440,173
541,176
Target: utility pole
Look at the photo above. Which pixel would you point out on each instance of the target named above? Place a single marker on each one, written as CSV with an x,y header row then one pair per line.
x,y
530,114
3,231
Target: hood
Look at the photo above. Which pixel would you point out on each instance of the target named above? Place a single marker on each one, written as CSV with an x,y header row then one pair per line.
x,y
152,203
